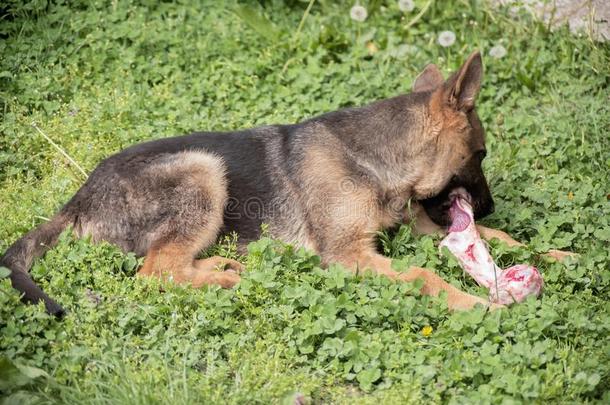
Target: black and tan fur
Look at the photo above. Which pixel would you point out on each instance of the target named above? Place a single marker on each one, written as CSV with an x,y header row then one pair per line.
x,y
327,184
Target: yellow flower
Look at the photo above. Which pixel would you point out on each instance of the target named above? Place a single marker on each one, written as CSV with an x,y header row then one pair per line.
x,y
570,196
372,48
427,330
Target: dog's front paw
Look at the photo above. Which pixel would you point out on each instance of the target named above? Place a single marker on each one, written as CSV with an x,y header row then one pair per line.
x,y
560,255
495,307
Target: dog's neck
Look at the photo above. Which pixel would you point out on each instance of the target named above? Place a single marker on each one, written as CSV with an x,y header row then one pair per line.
x,y
385,141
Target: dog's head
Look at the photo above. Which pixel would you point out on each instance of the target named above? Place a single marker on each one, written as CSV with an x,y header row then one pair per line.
x,y
454,145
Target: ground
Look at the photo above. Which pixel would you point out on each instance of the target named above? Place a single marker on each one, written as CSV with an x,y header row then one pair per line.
x,y
94,78
583,17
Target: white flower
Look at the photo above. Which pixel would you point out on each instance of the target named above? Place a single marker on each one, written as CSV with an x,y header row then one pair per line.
x,y
406,5
446,39
358,13
497,51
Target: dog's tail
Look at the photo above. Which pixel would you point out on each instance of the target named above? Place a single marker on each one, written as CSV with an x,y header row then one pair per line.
x,y
19,257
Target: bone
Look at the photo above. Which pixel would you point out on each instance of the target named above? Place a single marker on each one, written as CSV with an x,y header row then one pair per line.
x,y
508,286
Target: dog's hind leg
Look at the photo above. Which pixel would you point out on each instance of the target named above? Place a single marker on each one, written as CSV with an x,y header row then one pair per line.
x,y
217,270
167,207
190,192
175,262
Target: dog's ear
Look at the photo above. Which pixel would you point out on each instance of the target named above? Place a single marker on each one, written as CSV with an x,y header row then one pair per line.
x,y
429,79
462,88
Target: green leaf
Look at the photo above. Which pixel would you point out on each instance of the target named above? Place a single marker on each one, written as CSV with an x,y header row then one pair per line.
x,y
367,377
602,233
4,272
14,376
258,22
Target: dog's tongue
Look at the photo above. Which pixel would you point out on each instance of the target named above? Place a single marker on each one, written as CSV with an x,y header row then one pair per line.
x,y
460,217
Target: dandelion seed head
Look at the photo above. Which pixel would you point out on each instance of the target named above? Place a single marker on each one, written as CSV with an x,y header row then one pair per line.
x,y
446,39
497,51
358,13
406,5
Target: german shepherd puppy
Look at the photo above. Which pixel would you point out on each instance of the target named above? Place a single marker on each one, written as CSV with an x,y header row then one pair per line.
x,y
326,184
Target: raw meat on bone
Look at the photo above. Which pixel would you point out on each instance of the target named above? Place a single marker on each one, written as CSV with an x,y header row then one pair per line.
x,y
513,284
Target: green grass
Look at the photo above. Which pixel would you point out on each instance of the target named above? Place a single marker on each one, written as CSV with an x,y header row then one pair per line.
x,y
97,78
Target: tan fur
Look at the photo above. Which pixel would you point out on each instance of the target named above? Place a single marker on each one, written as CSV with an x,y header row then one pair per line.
x,y
489,234
448,137
174,262
345,211
199,170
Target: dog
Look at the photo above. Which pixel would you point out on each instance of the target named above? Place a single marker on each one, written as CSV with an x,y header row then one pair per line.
x,y
328,184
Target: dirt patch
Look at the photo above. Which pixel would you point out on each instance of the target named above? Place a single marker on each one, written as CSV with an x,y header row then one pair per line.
x,y
590,17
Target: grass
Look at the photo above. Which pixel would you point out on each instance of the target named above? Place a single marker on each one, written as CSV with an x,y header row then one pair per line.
x,y
98,77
